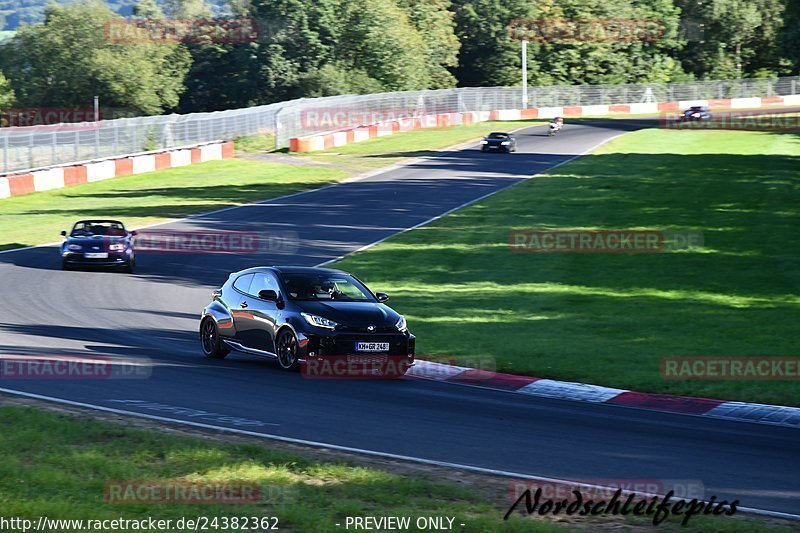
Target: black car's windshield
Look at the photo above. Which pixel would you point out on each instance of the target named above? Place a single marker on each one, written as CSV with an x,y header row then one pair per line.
x,y
314,286
497,135
91,228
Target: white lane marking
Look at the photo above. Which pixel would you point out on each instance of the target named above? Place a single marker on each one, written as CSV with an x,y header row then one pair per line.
x,y
193,413
470,202
291,440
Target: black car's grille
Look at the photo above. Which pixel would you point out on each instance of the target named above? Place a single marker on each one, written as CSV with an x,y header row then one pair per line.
x,y
345,344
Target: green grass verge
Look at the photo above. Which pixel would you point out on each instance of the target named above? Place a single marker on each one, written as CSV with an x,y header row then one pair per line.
x,y
58,466
610,318
263,142
61,467
153,197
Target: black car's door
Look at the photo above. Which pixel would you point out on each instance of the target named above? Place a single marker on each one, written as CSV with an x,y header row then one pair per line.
x,y
238,303
263,313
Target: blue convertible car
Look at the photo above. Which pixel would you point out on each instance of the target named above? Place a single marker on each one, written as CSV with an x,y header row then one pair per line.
x,y
98,243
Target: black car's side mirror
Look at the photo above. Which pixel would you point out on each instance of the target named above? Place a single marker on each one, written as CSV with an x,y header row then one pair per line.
x,y
134,233
381,296
268,295
63,233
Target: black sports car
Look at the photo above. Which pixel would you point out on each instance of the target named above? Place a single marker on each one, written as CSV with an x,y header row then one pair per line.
x,y
325,322
498,141
103,243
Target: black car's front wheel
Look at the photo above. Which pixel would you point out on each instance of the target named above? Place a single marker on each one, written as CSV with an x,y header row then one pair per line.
x,y
287,350
210,341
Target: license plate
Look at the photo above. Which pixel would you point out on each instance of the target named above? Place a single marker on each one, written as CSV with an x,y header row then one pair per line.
x,y
96,255
372,346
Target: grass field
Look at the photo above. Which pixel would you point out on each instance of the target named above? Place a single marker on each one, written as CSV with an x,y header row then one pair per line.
x,y
58,466
153,197
610,318
65,467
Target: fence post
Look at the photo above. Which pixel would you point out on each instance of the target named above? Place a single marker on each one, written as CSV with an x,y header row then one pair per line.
x,y
794,86
75,144
30,151
5,153
53,149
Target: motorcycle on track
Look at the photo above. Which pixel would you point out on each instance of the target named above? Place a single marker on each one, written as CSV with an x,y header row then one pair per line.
x,y
555,126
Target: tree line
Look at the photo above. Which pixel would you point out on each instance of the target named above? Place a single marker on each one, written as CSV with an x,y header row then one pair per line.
x,y
309,48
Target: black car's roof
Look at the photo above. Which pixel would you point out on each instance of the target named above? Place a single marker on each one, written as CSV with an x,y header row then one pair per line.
x,y
288,269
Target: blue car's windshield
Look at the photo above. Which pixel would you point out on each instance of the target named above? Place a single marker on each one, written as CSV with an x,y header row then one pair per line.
x,y
89,228
320,287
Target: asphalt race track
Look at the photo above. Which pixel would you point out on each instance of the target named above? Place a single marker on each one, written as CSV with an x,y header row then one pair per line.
x,y
154,315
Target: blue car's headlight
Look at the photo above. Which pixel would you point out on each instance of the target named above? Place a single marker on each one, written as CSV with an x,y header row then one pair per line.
x,y
116,247
74,247
401,324
318,321
505,143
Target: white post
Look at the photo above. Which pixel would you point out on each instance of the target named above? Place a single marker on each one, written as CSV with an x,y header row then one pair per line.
x,y
96,126
524,74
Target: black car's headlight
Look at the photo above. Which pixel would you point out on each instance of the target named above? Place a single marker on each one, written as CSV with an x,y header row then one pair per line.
x,y
319,321
74,247
401,324
116,247
484,141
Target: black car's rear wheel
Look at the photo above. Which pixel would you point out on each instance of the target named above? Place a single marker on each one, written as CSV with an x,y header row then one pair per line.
x,y
287,350
210,341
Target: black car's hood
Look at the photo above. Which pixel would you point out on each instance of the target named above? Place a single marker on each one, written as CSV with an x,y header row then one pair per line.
x,y
352,313
496,141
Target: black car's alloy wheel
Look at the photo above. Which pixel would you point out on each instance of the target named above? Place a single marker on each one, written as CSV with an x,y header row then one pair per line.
x,y
209,338
287,350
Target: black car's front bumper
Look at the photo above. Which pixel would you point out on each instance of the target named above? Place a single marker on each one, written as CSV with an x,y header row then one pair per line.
x,y
495,147
336,355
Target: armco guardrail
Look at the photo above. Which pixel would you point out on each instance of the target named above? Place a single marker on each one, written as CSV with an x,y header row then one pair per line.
x,y
40,146
322,141
56,177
